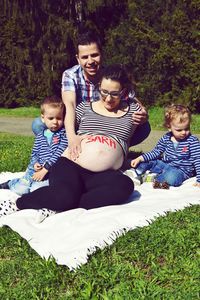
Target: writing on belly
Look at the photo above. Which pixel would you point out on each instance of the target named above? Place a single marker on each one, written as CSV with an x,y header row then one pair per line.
x,y
102,139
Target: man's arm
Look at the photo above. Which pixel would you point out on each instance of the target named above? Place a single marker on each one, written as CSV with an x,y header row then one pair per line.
x,y
74,142
140,134
143,130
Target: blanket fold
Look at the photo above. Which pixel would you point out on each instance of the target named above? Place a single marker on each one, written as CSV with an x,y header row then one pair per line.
x,y
71,236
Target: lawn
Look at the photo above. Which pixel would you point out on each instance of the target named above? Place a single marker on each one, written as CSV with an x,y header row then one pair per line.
x,y
155,116
156,120
159,261
31,112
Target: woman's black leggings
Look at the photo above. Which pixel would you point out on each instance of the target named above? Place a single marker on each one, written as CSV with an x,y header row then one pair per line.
x,y
71,186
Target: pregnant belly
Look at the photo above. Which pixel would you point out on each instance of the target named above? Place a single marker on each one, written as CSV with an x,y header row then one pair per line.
x,y
100,153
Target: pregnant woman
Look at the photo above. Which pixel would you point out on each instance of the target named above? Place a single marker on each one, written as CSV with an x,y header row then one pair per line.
x,y
93,179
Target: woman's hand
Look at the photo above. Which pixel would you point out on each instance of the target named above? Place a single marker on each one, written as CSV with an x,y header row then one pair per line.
x,y
39,175
136,161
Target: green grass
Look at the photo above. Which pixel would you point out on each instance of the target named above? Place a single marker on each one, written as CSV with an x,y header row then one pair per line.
x,y
155,116
156,120
15,152
159,261
31,112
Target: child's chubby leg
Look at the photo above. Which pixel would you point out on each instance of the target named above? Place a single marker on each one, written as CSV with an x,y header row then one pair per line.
x,y
20,186
38,184
172,176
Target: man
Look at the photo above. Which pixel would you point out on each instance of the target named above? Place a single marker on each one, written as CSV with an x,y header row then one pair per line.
x,y
80,83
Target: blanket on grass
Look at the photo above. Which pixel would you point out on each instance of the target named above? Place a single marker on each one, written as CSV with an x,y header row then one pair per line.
x,y
71,237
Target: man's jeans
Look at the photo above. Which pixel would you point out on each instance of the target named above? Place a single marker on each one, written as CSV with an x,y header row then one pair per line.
x,y
26,184
165,172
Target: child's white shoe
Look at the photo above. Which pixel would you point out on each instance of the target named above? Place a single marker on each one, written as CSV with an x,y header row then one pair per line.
x,y
137,180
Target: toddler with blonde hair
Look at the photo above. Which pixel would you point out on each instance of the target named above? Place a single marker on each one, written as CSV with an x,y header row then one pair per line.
x,y
176,157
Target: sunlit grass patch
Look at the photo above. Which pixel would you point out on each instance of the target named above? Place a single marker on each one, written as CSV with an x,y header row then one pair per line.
x,y
31,112
15,151
159,261
156,119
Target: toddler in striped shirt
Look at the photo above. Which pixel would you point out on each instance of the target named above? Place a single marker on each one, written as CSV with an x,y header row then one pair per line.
x,y
176,157
48,147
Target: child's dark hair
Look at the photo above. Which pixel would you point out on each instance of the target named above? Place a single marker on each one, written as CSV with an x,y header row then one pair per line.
x,y
176,111
117,72
53,101
88,37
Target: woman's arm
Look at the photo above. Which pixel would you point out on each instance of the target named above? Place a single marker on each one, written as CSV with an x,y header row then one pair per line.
x,y
140,134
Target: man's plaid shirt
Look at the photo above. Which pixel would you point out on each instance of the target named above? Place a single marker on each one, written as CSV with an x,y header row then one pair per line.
x,y
73,80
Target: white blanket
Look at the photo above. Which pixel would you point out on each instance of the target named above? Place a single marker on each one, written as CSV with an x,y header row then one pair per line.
x,y
70,237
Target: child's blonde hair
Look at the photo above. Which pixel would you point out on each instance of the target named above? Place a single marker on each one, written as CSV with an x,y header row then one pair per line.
x,y
53,101
176,111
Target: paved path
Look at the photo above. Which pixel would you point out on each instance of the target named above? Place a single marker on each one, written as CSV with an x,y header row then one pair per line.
x,y
16,125
23,126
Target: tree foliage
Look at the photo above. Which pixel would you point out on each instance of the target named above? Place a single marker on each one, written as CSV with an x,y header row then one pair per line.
x,y
157,40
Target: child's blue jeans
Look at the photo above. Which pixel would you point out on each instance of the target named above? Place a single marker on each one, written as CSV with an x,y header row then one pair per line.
x,y
165,172
26,184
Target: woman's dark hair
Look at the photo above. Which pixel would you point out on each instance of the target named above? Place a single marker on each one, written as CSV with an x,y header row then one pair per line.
x,y
117,72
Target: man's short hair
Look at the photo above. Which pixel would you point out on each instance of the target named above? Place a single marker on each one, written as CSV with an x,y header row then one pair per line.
x,y
88,37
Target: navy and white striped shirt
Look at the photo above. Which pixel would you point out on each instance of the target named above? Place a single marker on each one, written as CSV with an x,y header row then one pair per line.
x,y
120,128
43,152
185,156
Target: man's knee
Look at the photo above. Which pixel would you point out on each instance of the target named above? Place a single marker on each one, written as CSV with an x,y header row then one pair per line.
x,y
140,134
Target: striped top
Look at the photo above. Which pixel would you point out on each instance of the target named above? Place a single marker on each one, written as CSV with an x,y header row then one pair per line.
x,y
185,156
45,153
120,128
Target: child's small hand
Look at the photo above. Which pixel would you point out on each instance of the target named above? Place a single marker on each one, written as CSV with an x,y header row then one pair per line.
x,y
39,175
197,184
37,166
136,161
